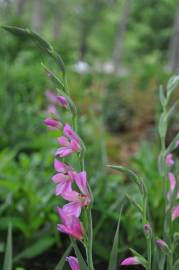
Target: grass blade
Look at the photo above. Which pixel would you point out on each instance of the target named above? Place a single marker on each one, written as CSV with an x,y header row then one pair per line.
x,y
113,255
61,263
8,254
81,261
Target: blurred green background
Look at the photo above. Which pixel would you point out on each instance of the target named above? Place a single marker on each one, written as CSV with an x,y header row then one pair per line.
x,y
117,53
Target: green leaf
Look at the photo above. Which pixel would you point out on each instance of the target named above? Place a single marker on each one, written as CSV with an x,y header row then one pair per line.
x,y
81,261
114,251
134,203
35,249
61,263
8,254
42,44
172,145
132,174
172,84
176,265
162,96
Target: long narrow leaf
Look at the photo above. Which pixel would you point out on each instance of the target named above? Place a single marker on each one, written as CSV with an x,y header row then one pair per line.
x,y
8,254
81,261
113,255
61,263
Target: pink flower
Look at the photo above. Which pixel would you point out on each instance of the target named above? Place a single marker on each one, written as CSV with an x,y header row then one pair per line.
x,y
130,261
69,132
52,123
81,181
177,143
62,167
169,160
62,101
63,182
52,110
51,96
70,142
172,181
71,224
175,212
161,243
73,262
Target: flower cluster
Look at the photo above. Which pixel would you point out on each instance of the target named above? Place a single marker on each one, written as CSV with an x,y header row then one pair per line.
x,y
71,185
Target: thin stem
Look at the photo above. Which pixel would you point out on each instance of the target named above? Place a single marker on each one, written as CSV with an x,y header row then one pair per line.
x,y
90,240
149,251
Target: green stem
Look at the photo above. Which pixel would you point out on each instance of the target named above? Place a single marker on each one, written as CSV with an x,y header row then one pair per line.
x,y
90,240
149,251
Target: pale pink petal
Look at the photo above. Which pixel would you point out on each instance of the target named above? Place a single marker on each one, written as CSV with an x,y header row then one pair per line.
x,y
63,141
175,212
177,143
130,261
162,244
172,180
169,159
81,181
71,196
73,208
73,262
63,188
64,151
52,110
51,96
57,178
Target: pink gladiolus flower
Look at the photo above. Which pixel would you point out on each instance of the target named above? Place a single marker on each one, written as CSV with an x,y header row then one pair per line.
x,y
81,181
62,167
63,182
71,224
52,123
73,262
130,261
175,212
169,160
62,101
70,142
69,132
161,243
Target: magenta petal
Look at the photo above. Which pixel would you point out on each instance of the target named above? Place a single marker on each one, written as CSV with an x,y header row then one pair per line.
x,y
68,131
130,261
73,262
62,101
51,123
73,208
59,166
75,145
175,212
